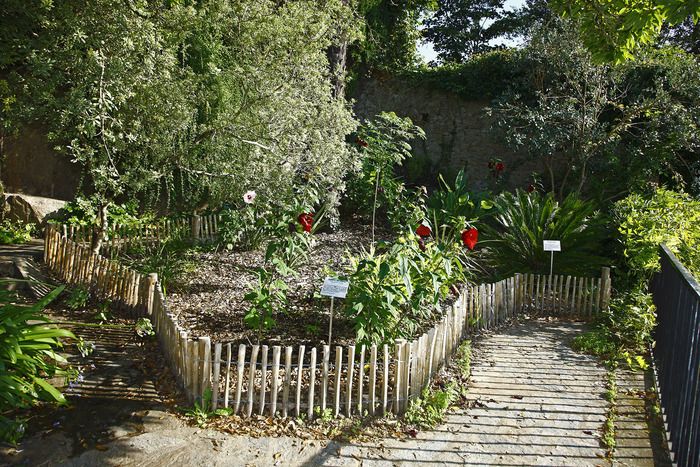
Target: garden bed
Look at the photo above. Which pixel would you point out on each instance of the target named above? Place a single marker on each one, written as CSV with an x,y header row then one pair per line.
x,y
209,301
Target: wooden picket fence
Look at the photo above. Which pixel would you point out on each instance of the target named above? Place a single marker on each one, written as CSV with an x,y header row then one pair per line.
x,y
284,381
121,238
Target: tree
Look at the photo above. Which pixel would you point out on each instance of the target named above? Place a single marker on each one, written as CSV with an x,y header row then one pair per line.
x,y
600,128
463,28
390,33
173,103
685,35
613,29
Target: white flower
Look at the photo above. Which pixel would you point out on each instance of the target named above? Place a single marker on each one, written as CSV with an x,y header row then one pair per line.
x,y
249,197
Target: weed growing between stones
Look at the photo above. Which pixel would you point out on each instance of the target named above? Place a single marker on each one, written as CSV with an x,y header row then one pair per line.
x,y
608,435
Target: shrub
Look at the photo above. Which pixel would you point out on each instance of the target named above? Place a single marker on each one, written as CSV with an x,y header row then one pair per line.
x,y
623,331
645,222
28,344
523,220
15,232
171,259
383,144
392,292
269,294
451,207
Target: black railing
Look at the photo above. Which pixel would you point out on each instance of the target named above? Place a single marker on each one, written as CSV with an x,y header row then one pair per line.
x,y
677,356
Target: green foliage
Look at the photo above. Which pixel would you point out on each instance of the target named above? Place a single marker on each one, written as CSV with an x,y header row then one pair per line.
x,y
389,33
202,411
84,211
614,29
451,208
392,292
515,232
646,221
429,410
28,345
171,259
144,328
12,233
622,332
175,103
600,129
461,29
484,76
384,143
463,358
78,298
269,295
86,348
250,226
608,438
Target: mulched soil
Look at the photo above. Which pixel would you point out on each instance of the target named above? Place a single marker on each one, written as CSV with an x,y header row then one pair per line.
x,y
210,300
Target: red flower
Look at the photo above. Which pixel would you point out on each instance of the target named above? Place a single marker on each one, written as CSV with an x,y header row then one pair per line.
x,y
423,231
306,219
470,237
362,142
500,166
530,188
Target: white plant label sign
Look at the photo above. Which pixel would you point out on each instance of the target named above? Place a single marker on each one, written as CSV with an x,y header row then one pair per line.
x,y
552,245
334,288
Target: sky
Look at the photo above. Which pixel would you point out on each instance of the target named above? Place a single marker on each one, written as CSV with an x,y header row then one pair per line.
x,y
426,51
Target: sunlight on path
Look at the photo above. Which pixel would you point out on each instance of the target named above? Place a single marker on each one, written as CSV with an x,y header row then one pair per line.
x,y
536,402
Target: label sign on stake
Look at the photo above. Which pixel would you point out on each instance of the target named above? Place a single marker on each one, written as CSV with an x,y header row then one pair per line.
x,y
551,245
334,288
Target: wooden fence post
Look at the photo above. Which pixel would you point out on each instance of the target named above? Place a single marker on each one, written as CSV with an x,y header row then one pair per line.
x,y
605,288
196,224
151,280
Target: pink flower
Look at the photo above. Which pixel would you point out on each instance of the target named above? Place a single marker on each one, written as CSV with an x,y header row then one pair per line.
x,y
249,197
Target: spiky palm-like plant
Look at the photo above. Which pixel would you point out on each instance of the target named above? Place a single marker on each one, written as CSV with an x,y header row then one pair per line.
x,y
514,234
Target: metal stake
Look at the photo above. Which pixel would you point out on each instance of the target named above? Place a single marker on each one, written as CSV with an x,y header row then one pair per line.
x,y
330,325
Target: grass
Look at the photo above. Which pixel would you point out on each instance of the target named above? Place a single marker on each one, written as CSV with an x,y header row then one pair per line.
x,y
429,410
608,435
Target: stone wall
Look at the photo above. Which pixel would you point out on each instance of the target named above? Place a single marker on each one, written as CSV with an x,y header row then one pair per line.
x,y
32,167
457,133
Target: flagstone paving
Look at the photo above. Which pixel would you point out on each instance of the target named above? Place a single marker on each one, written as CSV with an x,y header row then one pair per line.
x,y
533,401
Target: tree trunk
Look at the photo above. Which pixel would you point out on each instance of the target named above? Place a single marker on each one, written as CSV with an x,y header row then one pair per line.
x,y
337,59
99,231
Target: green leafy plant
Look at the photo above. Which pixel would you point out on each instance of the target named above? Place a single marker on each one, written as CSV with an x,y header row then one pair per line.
x,y
393,291
269,295
429,410
15,232
521,221
28,355
451,207
86,348
144,328
623,331
383,144
171,259
103,314
202,411
78,298
646,221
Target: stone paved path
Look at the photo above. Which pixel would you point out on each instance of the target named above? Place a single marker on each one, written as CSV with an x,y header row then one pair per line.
x,y
537,402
